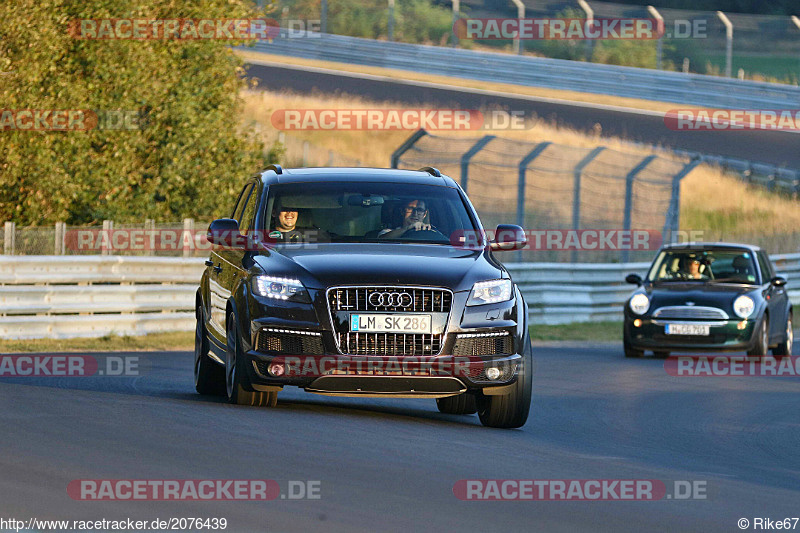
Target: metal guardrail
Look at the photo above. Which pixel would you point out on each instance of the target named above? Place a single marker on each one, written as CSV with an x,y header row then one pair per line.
x,y
63,297
648,84
92,296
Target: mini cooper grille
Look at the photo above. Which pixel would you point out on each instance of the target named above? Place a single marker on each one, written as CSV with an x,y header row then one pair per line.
x,y
289,343
355,343
688,312
489,345
390,299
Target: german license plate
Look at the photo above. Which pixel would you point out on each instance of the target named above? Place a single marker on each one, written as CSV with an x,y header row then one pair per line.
x,y
686,329
381,323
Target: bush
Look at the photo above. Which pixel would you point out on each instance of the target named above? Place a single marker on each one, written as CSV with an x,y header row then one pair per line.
x,y
188,161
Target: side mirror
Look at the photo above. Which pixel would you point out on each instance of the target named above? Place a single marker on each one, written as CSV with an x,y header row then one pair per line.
x,y
633,279
509,237
225,232
778,281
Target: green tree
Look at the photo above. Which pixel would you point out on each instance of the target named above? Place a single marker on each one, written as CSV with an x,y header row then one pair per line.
x,y
187,160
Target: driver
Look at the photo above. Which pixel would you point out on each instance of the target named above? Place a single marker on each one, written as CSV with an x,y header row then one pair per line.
x,y
694,269
414,213
284,224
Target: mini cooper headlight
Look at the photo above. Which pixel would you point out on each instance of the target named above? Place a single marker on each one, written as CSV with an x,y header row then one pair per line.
x,y
640,303
743,306
280,288
490,292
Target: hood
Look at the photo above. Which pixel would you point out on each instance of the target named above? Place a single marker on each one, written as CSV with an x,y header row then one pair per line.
x,y
327,265
719,295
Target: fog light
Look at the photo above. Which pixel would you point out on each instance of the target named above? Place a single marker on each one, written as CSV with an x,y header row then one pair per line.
x,y
493,373
276,369
637,322
742,324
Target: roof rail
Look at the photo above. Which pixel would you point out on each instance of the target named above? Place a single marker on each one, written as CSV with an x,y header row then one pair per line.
x,y
432,171
277,168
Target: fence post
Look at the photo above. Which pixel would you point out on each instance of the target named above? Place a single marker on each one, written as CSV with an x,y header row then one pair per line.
x,y
589,21
659,44
330,158
9,237
626,223
576,193
108,228
477,147
60,238
672,220
520,17
150,235
521,185
391,21
323,16
728,43
406,146
305,153
188,233
456,10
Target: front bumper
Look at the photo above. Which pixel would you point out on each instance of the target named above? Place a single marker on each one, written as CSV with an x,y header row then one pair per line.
x,y
396,376
724,335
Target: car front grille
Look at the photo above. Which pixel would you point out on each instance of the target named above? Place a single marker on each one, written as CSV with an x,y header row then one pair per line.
x,y
690,312
288,342
356,343
500,343
390,299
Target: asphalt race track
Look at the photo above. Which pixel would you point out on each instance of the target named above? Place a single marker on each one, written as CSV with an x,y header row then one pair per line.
x,y
774,147
391,465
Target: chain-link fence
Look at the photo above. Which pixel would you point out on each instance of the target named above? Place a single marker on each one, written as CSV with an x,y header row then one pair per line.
x,y
559,192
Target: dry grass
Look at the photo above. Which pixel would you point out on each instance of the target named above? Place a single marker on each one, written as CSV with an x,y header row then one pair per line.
x,y
181,340
718,204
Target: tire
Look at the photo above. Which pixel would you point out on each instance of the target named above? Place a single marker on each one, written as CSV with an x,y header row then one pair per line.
x,y
761,347
661,354
510,410
236,381
784,349
631,353
463,404
209,377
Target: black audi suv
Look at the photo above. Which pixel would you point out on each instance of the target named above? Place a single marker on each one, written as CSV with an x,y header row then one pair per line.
x,y
363,282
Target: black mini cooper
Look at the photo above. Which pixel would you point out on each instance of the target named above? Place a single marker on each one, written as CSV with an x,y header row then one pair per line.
x,y
709,297
356,282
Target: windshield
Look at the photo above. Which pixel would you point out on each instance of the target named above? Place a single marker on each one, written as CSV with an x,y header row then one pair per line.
x,y
720,266
365,212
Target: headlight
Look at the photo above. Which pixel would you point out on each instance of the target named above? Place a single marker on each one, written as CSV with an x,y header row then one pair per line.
x,y
490,292
280,288
743,306
640,303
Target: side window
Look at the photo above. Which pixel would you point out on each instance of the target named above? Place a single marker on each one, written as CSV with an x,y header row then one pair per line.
x,y
249,212
766,267
237,213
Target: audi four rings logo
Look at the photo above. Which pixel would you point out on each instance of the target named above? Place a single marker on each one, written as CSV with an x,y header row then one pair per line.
x,y
390,299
